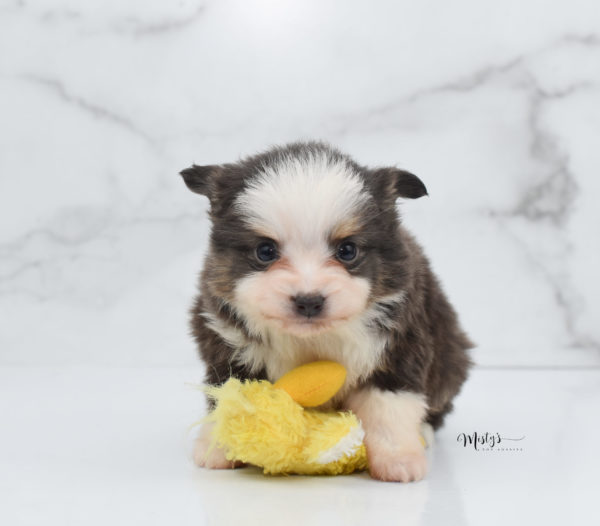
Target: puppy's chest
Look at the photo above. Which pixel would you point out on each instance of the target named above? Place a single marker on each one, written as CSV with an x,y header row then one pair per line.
x,y
359,351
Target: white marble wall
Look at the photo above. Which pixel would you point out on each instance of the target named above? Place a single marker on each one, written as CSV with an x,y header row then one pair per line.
x,y
496,105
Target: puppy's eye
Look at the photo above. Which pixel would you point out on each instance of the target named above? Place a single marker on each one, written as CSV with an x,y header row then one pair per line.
x,y
347,251
266,251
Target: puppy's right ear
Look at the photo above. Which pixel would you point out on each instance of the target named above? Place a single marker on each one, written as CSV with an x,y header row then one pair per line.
x,y
201,179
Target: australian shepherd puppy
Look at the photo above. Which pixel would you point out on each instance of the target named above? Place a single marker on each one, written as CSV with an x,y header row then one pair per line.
x,y
308,260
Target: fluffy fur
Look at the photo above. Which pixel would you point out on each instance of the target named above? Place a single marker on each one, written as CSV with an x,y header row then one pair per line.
x,y
260,424
384,315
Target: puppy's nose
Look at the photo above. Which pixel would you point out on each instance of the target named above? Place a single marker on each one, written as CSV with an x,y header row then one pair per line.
x,y
309,305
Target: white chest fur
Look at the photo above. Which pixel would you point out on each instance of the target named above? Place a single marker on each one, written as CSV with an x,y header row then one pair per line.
x,y
353,344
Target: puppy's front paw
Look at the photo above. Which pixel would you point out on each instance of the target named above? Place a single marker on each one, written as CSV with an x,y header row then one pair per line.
x,y
207,457
392,421
397,465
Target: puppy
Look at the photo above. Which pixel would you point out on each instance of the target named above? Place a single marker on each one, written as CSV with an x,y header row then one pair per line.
x,y
308,260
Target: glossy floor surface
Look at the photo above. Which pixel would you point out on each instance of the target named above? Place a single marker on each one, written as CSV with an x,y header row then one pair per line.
x,y
84,445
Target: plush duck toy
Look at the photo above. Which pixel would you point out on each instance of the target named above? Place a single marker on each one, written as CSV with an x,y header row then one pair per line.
x,y
275,426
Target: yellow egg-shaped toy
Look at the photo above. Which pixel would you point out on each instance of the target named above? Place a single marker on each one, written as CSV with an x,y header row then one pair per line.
x,y
314,383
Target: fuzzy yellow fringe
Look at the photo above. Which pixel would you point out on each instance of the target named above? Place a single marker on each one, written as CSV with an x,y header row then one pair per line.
x,y
258,424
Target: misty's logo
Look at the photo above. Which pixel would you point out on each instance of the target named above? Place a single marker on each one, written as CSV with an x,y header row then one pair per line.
x,y
489,441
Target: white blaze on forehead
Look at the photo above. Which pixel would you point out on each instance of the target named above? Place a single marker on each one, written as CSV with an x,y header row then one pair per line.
x,y
302,200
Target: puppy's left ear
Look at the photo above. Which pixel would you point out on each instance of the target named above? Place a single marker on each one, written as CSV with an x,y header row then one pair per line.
x,y
201,179
395,183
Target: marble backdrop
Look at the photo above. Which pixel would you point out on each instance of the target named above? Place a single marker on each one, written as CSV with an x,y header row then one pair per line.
x,y
495,105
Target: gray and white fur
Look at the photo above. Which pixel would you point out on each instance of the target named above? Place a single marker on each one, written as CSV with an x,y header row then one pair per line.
x,y
309,260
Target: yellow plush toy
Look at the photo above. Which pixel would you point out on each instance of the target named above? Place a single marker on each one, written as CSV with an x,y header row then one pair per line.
x,y
267,425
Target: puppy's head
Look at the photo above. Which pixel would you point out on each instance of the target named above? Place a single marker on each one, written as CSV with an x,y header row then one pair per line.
x,y
303,239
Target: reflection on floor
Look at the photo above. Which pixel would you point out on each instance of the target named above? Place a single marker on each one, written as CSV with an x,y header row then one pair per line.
x,y
110,446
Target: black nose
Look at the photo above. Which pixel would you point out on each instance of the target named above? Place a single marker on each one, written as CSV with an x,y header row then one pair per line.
x,y
309,305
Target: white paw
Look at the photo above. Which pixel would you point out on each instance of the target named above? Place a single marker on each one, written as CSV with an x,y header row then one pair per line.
x,y
396,465
207,457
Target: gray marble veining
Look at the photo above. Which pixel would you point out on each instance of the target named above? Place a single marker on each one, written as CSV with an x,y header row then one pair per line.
x,y
496,108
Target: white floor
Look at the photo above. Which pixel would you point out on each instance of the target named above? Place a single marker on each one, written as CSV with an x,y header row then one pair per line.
x,y
110,446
